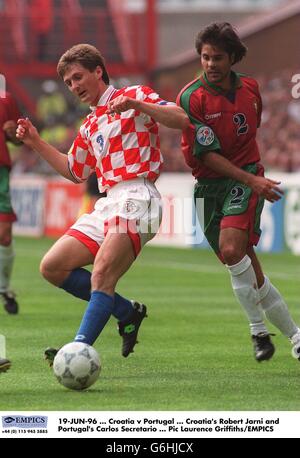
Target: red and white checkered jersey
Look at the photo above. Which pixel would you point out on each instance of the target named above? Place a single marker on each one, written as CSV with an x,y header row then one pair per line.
x,y
118,147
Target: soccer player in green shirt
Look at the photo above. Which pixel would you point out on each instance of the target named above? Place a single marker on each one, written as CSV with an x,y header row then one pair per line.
x,y
9,114
220,146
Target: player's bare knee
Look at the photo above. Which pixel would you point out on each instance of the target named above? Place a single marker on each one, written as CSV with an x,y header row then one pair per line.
x,y
44,270
49,272
5,237
231,254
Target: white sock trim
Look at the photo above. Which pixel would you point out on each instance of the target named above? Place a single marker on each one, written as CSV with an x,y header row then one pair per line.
x,y
295,338
277,311
264,289
258,328
240,267
244,286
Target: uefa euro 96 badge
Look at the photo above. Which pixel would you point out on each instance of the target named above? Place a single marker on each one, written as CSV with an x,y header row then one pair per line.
x,y
205,136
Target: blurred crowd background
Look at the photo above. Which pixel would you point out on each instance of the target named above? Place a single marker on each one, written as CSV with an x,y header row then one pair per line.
x,y
279,134
149,42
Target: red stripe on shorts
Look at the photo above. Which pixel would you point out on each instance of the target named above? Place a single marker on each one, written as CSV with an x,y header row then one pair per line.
x,y
127,227
91,245
7,217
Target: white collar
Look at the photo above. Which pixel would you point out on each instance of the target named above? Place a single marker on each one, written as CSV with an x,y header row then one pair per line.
x,y
105,97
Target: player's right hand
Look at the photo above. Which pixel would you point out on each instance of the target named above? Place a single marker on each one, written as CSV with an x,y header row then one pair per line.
x,y
26,132
267,188
120,104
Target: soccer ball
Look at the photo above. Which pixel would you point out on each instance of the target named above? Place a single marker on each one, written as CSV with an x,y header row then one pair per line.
x,y
77,365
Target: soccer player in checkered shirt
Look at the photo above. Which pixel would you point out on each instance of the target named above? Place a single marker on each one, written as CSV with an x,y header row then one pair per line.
x,y
220,146
119,140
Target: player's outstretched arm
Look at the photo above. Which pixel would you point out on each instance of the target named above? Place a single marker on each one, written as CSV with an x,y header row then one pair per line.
x,y
28,134
169,115
262,186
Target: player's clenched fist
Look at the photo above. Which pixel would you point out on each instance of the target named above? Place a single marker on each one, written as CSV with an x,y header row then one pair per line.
x,y
26,132
120,104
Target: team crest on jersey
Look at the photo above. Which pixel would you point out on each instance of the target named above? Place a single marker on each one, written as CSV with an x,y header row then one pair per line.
x,y
205,136
130,206
100,141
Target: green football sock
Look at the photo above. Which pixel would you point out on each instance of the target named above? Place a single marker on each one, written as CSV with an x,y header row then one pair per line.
x,y
7,256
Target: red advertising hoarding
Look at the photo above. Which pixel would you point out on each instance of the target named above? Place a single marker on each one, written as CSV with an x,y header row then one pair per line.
x,y
62,204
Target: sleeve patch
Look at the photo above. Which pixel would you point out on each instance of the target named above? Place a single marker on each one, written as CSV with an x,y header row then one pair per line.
x,y
205,136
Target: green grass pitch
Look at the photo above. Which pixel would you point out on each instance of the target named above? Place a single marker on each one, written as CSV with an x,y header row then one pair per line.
x,y
194,352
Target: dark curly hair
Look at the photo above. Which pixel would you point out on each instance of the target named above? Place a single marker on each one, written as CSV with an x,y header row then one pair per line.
x,y
223,36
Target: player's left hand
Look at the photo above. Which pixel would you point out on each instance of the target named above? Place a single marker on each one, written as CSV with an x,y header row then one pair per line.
x,y
120,104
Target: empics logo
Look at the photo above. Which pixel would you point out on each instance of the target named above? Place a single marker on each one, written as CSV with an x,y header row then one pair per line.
x,y
19,421
8,420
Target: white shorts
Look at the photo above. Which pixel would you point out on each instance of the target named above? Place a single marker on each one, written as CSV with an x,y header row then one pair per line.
x,y
132,207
